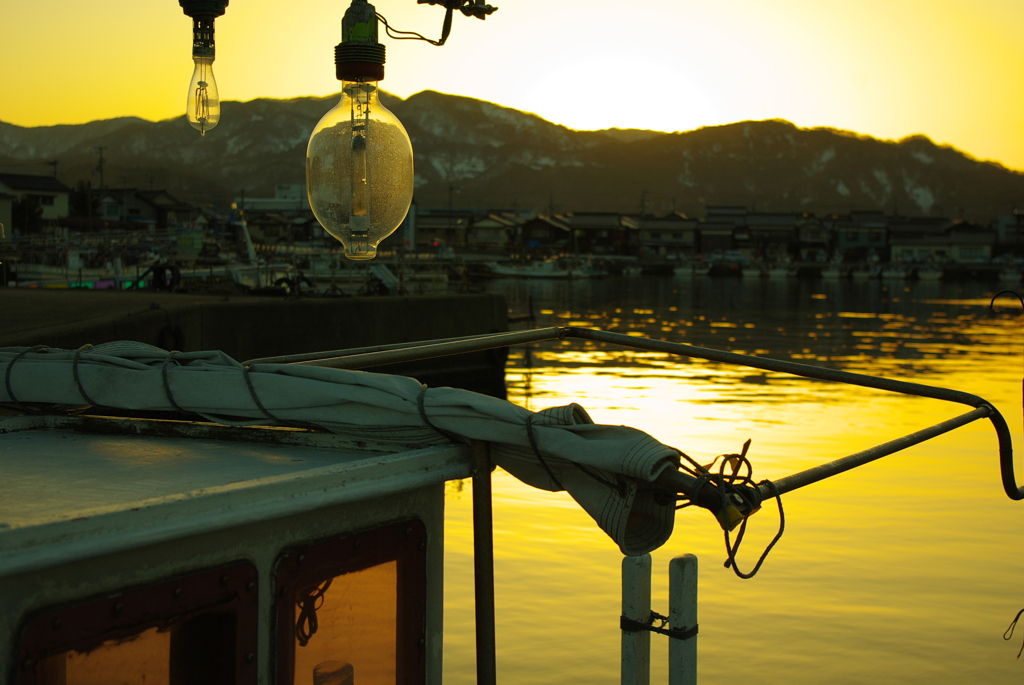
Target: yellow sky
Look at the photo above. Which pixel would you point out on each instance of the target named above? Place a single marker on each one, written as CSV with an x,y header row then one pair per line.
x,y
951,69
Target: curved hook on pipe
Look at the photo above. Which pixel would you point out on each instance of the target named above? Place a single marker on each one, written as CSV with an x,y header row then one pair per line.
x,y
992,302
1006,464
1013,491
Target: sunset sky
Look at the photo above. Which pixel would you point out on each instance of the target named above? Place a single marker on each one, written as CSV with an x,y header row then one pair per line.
x,y
950,69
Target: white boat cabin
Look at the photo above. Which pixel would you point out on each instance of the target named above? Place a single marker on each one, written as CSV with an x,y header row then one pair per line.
x,y
149,551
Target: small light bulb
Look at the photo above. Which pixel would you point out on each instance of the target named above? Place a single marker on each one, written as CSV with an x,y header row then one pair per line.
x,y
202,109
203,106
359,170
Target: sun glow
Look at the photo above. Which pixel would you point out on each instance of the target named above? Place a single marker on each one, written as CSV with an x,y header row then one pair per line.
x,y
944,68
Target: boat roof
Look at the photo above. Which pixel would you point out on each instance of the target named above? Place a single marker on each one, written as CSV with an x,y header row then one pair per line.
x,y
79,487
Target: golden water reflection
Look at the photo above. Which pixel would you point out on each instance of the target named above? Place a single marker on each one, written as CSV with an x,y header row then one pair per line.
x,y
906,570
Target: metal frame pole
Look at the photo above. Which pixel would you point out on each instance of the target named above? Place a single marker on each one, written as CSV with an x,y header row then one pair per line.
x,y
823,471
483,564
388,354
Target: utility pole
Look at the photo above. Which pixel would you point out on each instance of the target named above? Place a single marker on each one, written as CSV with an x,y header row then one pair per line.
x,y
53,163
452,189
99,166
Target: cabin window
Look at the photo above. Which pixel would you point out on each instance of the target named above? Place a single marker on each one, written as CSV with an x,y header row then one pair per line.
x,y
352,610
198,629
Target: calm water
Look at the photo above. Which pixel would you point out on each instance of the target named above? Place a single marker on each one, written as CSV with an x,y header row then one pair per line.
x,y
907,570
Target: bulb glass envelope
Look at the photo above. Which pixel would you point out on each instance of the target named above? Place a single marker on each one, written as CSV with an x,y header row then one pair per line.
x,y
203,106
359,170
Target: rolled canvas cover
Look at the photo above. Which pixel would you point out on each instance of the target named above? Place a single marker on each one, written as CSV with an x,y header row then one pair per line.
x,y
606,469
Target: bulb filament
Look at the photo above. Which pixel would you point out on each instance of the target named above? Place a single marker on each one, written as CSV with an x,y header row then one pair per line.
x,y
359,222
202,107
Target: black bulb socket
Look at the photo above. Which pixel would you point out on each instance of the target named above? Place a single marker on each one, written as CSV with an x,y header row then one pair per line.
x,y
203,12
355,61
203,8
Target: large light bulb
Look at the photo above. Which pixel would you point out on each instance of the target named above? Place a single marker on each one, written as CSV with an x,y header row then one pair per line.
x,y
203,106
359,170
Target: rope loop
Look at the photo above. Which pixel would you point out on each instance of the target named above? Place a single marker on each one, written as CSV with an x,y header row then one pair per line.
x,y
7,379
733,549
256,399
733,479
537,453
421,404
167,382
1009,631
78,379
307,623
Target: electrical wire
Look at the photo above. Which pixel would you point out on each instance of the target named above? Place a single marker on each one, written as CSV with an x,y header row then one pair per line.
x,y
395,34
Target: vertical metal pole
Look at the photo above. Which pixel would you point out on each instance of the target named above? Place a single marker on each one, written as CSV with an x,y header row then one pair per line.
x,y
483,564
682,615
636,605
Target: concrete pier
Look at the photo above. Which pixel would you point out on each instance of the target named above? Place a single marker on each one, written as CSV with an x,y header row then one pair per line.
x,y
251,327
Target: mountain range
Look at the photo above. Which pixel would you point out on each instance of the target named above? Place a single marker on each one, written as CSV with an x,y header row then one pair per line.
x,y
478,154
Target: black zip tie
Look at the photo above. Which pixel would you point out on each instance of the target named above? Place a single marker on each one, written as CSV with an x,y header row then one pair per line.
x,y
536,451
1009,631
632,626
78,379
420,402
7,380
167,383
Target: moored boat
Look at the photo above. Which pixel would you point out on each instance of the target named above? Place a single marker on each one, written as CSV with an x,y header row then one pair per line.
x,y
310,548
563,267
866,272
893,272
1010,275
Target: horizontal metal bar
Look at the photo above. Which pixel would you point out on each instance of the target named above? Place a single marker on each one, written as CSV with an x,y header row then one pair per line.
x,y
793,368
432,350
823,471
316,356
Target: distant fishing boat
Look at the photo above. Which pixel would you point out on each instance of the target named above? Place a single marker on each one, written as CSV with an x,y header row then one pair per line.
x,y
565,267
866,272
1010,275
776,271
894,272
693,268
